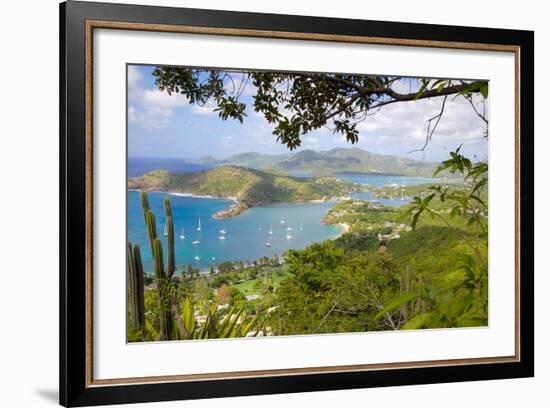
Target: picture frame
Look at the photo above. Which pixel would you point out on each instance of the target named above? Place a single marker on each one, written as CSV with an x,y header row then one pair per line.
x,y
78,20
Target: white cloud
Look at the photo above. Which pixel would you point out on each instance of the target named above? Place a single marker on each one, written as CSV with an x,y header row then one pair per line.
x,y
132,117
150,118
207,109
406,123
151,109
134,77
161,99
310,141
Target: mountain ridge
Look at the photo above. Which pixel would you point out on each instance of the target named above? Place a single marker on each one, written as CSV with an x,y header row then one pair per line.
x,y
336,160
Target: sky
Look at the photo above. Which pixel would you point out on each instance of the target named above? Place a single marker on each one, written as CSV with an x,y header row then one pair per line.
x,y
167,126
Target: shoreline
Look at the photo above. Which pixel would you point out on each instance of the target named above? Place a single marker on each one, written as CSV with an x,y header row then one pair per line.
x,y
345,229
345,226
239,207
190,195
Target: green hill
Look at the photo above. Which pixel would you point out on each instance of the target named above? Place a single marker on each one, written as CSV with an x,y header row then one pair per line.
x,y
338,160
342,160
252,188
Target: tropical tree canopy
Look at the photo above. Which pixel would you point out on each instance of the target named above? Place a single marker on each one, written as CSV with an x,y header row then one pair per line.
x,y
297,103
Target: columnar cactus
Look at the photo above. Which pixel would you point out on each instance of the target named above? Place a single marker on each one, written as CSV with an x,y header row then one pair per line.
x,y
171,260
135,287
151,226
140,301
163,288
144,203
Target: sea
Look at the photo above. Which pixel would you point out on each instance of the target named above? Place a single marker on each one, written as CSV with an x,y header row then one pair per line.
x,y
258,232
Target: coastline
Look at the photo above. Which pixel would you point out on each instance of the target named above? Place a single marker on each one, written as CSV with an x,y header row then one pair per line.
x,y
234,199
345,226
232,211
345,229
239,207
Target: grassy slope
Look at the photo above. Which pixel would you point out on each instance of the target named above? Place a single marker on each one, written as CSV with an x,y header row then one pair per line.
x,y
252,187
432,252
247,287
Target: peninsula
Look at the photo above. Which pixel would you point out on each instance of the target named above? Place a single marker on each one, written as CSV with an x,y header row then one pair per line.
x,y
248,187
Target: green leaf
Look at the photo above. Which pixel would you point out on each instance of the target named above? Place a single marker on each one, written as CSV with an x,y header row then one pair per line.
x,y
188,316
396,303
470,322
441,86
417,322
422,89
484,89
415,219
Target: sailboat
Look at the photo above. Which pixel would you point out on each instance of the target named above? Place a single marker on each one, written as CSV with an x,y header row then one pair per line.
x,y
223,231
165,230
195,242
271,230
282,221
197,258
289,228
199,227
222,237
267,244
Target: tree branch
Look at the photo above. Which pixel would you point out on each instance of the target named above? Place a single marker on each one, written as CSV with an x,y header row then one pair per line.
x,y
430,131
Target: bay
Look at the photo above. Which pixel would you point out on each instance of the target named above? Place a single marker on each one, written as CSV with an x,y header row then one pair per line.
x,y
247,234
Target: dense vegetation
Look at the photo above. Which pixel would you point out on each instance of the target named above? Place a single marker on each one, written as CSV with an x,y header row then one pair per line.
x,y
420,266
423,265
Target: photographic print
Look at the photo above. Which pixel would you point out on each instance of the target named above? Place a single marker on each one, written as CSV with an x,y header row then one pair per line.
x,y
265,203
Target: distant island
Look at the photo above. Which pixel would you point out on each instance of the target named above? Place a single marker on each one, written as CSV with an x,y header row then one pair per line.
x,y
338,160
248,187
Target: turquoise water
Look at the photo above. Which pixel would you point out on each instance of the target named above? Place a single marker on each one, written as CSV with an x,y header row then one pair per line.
x,y
247,234
244,240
